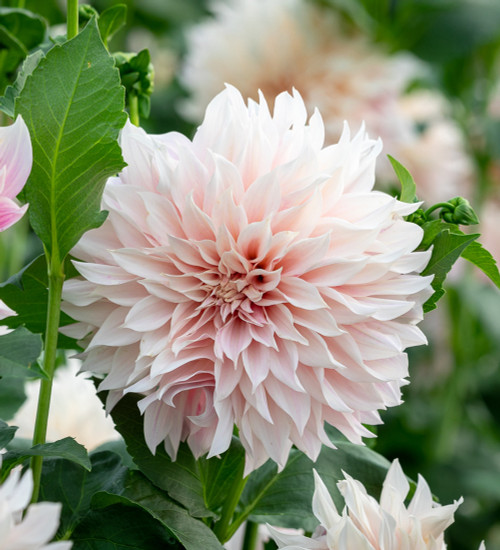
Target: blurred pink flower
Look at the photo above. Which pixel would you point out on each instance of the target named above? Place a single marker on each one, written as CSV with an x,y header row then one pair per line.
x,y
250,277
294,43
15,166
366,524
24,527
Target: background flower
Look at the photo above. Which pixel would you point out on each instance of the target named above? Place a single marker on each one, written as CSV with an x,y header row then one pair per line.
x,y
75,410
370,525
250,277
274,46
15,166
23,527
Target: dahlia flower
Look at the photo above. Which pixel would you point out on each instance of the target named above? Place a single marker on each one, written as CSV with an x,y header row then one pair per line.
x,y
366,524
15,166
30,530
274,46
250,277
75,410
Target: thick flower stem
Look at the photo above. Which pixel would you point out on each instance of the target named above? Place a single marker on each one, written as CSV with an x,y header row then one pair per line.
x,y
56,278
251,536
72,19
222,528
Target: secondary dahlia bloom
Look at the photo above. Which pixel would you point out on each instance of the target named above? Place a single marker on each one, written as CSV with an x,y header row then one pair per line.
x,y
75,410
274,46
5,311
250,277
38,525
16,158
366,524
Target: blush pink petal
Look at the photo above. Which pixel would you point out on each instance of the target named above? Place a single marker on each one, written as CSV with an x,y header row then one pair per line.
x,y
250,277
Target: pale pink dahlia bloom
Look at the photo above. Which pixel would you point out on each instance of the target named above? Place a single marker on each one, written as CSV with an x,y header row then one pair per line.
x,y
250,277
24,527
274,46
5,311
16,158
366,524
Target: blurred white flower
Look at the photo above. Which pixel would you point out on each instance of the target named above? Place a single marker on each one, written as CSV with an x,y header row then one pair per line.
x,y
75,410
31,529
366,524
274,46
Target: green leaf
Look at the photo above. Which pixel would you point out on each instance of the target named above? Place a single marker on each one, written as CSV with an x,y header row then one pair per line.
x,y
112,20
181,479
449,244
481,258
121,527
6,434
12,92
72,485
27,294
12,396
191,532
20,31
19,351
408,187
73,106
284,499
66,448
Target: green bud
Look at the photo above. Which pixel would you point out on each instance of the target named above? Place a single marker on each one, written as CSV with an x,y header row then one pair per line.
x,y
460,212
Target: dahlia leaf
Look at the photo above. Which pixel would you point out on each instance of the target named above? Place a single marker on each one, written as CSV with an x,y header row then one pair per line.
x,y
6,434
26,293
74,486
481,258
12,396
66,448
19,351
192,533
73,105
284,499
111,21
7,101
180,479
20,31
448,245
121,527
408,187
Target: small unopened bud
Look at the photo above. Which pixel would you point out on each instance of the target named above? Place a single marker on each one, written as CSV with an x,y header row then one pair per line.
x,y
460,212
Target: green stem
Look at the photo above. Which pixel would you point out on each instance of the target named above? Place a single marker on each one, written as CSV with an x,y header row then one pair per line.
x,y
56,279
435,207
133,109
72,19
222,528
21,3
251,536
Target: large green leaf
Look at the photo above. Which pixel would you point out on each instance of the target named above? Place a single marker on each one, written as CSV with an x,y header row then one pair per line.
x,y
73,106
27,294
74,486
122,527
181,479
19,351
140,492
12,396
